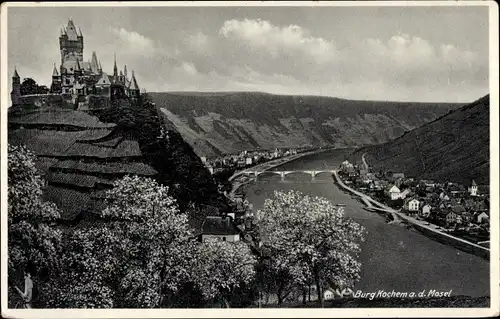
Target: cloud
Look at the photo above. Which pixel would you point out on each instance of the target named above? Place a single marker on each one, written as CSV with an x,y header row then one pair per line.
x,y
133,41
199,42
275,40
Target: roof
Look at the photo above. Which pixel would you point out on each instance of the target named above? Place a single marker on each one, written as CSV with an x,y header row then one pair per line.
x,y
16,75
54,71
474,183
94,65
133,83
394,189
458,209
71,31
71,64
104,80
86,65
219,225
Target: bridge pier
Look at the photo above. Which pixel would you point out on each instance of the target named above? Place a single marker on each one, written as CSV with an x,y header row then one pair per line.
x,y
282,175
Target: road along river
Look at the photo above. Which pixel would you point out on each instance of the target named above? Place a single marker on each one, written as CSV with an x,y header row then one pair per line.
x,y
393,257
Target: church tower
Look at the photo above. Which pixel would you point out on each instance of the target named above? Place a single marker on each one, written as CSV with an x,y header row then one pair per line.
x,y
15,95
71,42
473,188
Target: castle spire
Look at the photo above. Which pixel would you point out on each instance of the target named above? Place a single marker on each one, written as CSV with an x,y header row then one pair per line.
x,y
16,75
133,83
80,32
54,72
94,65
115,68
125,71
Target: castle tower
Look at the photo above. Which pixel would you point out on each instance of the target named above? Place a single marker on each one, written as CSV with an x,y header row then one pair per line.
x,y
15,95
56,81
71,42
125,71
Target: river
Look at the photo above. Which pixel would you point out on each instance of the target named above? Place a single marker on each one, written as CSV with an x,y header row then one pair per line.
x,y
393,257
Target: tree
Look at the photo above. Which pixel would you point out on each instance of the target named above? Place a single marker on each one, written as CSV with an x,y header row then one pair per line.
x,y
42,89
309,239
34,244
140,253
222,268
29,86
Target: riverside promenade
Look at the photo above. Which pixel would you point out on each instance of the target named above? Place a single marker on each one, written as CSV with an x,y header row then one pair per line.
x,y
428,230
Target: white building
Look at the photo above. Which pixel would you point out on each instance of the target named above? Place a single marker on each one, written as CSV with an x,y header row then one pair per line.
x,y
412,205
249,161
482,217
473,189
394,193
426,210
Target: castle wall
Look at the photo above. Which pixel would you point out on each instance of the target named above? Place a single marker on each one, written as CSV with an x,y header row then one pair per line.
x,y
46,100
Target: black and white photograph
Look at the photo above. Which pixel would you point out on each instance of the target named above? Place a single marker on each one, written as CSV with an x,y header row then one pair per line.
x,y
249,159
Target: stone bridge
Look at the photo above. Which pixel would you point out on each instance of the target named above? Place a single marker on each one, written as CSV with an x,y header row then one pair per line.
x,y
282,174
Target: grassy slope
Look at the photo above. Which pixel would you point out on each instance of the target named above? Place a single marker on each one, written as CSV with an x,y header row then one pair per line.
x,y
454,147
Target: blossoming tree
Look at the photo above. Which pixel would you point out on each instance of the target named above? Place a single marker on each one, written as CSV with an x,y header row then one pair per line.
x,y
34,245
222,267
309,239
134,257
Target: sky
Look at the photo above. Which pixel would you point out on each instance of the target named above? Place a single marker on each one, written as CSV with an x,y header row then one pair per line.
x,y
427,54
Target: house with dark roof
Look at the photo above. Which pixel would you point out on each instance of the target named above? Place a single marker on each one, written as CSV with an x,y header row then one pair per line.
x,y
220,228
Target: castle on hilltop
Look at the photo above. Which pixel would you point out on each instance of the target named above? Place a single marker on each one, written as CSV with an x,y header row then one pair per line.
x,y
78,79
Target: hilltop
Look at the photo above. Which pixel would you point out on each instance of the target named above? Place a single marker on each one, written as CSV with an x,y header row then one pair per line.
x,y
453,147
227,122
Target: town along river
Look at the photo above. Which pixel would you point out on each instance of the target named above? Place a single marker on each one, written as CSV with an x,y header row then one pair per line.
x,y
393,257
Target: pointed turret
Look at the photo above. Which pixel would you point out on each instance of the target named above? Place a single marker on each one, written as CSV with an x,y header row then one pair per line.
x,y
115,68
474,183
16,75
54,71
94,65
80,32
133,82
71,30
125,71
15,94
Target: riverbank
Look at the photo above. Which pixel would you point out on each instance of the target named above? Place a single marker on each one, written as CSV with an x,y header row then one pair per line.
x,y
422,228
